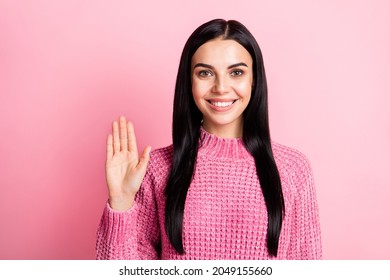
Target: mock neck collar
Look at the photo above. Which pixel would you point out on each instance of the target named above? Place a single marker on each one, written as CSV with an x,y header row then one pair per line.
x,y
211,145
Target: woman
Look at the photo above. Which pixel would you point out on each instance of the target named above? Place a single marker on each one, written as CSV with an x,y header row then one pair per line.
x,y
223,189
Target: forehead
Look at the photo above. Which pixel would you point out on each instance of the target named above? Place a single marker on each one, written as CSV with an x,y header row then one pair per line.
x,y
221,52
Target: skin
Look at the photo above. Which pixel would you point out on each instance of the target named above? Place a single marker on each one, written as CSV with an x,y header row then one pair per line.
x,y
125,170
221,72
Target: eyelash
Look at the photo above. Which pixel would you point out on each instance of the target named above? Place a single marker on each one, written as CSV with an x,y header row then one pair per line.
x,y
234,73
204,73
240,73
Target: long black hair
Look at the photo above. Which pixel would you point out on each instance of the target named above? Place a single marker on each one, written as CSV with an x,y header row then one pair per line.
x,y
186,132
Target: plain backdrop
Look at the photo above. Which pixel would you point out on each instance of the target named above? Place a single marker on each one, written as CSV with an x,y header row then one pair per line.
x,y
69,68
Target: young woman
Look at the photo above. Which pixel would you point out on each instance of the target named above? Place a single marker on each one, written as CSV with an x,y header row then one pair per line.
x,y
223,189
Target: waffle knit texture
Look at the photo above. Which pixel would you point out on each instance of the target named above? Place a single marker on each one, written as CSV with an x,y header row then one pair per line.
x,y
225,215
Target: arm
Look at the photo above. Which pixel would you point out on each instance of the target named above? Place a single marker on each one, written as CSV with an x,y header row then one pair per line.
x,y
133,233
306,233
128,228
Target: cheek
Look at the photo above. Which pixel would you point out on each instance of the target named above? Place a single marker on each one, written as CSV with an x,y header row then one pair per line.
x,y
244,89
197,95
199,89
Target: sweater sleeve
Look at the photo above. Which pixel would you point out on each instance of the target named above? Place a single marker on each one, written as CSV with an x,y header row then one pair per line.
x,y
131,234
306,234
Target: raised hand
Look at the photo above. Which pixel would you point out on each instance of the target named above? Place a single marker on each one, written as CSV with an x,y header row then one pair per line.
x,y
124,169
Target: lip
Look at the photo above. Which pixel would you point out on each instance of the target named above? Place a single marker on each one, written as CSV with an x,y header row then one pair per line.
x,y
221,109
221,100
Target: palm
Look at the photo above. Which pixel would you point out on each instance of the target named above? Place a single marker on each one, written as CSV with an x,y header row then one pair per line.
x,y
124,169
120,170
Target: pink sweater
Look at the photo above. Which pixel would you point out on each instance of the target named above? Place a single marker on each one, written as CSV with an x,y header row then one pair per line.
x,y
225,216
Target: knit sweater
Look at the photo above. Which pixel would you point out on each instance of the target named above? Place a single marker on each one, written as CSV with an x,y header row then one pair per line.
x,y
225,215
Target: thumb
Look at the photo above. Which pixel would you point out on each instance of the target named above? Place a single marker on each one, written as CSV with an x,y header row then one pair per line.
x,y
143,161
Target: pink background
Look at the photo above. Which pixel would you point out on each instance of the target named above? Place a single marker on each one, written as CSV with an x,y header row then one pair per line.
x,y
69,68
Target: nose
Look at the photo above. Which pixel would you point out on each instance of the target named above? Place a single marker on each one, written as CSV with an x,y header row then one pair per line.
x,y
221,85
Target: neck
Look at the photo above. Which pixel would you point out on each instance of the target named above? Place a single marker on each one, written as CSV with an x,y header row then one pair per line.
x,y
224,131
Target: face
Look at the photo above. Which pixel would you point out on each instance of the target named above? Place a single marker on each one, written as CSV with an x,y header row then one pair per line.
x,y
222,79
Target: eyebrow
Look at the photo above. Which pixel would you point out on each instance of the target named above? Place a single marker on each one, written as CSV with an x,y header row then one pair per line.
x,y
211,67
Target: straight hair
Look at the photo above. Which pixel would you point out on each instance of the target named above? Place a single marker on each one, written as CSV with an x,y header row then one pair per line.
x,y
187,120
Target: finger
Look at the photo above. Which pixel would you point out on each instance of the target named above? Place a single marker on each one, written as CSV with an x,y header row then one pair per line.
x,y
131,138
143,161
123,133
115,133
110,151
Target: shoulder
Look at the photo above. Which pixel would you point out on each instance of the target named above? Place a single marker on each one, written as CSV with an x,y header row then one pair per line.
x,y
162,155
160,161
291,160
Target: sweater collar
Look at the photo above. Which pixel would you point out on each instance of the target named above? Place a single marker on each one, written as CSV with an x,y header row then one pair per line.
x,y
211,145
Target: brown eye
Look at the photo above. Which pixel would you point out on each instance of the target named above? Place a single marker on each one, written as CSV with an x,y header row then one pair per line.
x,y
237,73
205,73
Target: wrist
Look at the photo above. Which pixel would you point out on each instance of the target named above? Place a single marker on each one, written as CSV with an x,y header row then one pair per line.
x,y
121,204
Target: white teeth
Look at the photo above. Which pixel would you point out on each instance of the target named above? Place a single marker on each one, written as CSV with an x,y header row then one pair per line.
x,y
222,104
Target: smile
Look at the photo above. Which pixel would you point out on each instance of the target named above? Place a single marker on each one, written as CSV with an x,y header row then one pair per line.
x,y
221,105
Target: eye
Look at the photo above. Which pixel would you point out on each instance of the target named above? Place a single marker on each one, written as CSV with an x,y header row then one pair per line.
x,y
237,73
205,73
